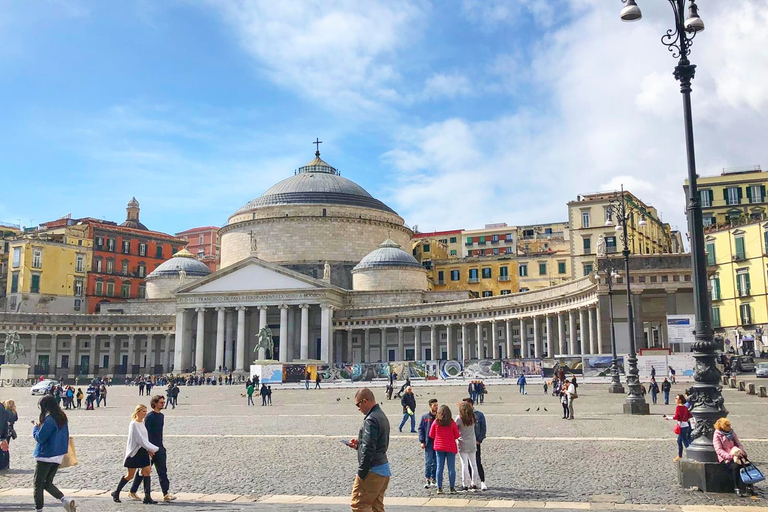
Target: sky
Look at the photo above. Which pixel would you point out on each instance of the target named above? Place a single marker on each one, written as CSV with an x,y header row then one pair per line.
x,y
456,113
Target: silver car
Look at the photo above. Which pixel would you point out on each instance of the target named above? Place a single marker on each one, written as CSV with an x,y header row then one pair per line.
x,y
762,370
41,387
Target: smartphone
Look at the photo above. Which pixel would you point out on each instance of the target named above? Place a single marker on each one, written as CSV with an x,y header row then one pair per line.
x,y
346,442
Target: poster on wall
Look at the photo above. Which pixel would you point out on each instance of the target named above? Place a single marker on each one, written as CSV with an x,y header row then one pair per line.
x,y
646,365
268,373
293,372
600,366
570,366
483,369
683,364
367,372
451,370
334,372
680,328
513,368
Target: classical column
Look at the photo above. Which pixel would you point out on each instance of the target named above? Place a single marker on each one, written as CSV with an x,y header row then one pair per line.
x,y
510,341
262,355
229,338
283,334
304,332
131,353
494,340
523,341
114,352
200,340
151,357
434,343
417,343
550,336
180,349
572,332
583,336
326,327
167,356
33,351
350,350
449,342
54,363
479,331
464,343
536,338
639,322
221,317
366,357
592,337
240,348
599,330
561,334
400,343
94,355
72,353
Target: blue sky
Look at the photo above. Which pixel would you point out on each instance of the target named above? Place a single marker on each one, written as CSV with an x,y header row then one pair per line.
x,y
455,113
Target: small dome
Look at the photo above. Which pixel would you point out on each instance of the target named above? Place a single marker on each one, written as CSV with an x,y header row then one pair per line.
x,y
182,260
389,254
133,203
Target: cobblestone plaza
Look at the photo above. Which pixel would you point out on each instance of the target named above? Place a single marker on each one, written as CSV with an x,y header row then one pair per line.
x,y
254,456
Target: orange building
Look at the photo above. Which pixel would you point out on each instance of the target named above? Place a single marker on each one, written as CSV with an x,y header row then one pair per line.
x,y
203,243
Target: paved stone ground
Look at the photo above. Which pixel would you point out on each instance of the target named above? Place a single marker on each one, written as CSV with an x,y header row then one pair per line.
x,y
218,445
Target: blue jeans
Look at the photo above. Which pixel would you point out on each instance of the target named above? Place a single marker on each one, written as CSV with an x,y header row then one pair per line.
x,y
683,438
666,398
653,396
405,418
250,399
430,462
442,458
522,389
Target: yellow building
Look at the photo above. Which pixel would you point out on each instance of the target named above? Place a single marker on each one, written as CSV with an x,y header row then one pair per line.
x,y
587,218
493,240
440,245
47,270
739,286
7,232
736,194
486,276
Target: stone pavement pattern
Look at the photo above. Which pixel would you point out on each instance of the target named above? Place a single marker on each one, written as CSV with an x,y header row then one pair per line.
x,y
218,445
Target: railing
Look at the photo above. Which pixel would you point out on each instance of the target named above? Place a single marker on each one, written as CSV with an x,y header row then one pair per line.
x,y
473,280
504,278
441,282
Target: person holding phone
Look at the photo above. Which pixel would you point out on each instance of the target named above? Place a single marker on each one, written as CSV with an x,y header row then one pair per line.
x,y
52,435
138,451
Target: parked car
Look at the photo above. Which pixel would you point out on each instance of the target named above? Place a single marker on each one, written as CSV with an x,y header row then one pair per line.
x,y
41,387
762,370
742,364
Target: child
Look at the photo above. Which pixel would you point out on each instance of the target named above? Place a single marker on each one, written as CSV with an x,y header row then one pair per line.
x,y
564,400
79,398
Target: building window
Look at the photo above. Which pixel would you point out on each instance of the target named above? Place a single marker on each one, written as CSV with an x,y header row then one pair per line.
x,y
16,256
487,273
453,239
707,221
440,277
610,244
200,254
588,268
110,266
716,316
732,195
584,219
142,249
35,286
705,196
79,263
78,302
711,259
453,252
561,267
495,251
745,311
522,270
587,241
126,247
159,251
111,244
495,239
715,284
98,265
202,239
482,241
426,248
14,282
78,288
455,275
742,283
125,290
504,271
124,267
142,270
99,242
110,289
473,275
756,193
506,292
99,288
142,291
469,240
508,237
542,269
37,258
740,251
487,293
508,250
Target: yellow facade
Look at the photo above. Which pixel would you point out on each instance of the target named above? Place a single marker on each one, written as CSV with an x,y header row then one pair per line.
x,y
541,270
739,286
735,195
484,276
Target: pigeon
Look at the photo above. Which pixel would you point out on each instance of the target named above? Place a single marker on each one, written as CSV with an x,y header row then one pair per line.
x,y
545,409
528,409
347,398
537,409
338,399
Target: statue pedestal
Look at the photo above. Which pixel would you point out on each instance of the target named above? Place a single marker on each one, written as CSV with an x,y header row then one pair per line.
x,y
14,373
705,476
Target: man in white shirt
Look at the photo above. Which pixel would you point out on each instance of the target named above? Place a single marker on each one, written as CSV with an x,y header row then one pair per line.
x,y
572,394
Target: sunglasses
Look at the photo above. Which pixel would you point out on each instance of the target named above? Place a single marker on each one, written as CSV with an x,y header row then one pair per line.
x,y
361,401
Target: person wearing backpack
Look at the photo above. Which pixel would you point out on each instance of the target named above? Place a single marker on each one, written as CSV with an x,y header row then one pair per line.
x,y
52,435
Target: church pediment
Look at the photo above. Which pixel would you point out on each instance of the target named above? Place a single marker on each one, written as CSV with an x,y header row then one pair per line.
x,y
253,275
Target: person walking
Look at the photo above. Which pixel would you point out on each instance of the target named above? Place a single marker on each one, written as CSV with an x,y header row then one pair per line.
x,y
521,384
480,433
154,423
672,375
13,417
408,401
653,373
444,432
307,376
5,438
79,398
263,392
103,394
481,391
176,392
249,391
683,417
572,395
269,395
731,452
318,379
653,387
465,422
430,460
373,471
141,387
666,387
138,451
51,432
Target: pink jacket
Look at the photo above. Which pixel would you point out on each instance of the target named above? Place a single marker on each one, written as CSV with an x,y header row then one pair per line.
x,y
723,446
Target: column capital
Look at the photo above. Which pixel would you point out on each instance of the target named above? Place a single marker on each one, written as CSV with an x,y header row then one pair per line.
x,y
262,308
284,306
433,327
240,308
221,308
304,306
401,328
200,310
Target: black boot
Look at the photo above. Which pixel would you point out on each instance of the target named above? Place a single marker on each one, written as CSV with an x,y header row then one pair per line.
x,y
116,492
147,488
136,483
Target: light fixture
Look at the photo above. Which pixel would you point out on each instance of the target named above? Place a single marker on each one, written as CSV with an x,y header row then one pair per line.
x,y
618,227
694,22
608,221
642,222
630,12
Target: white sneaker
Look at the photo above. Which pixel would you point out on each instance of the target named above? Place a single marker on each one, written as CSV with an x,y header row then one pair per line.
x,y
169,497
69,504
483,487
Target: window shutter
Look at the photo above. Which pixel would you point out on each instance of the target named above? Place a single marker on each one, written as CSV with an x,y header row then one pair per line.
x,y
749,193
710,254
739,191
765,239
711,197
746,283
725,195
740,247
762,193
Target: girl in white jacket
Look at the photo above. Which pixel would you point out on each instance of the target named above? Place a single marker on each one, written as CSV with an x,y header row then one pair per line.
x,y
138,451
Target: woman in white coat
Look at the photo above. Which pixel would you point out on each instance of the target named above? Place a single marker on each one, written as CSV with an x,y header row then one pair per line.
x,y
138,451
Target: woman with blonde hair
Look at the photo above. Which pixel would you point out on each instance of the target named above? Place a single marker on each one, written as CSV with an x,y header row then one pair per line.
x,y
138,450
467,446
13,417
731,452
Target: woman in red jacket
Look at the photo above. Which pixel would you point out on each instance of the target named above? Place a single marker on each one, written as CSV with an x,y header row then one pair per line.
x,y
683,417
445,433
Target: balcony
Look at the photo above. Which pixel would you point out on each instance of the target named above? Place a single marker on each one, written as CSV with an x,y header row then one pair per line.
x,y
480,243
744,293
468,244
739,257
472,280
503,278
494,242
441,282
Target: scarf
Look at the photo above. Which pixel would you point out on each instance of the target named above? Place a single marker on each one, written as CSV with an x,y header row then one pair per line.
x,y
728,435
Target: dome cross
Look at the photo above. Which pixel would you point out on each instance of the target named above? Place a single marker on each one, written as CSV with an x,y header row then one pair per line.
x,y
317,144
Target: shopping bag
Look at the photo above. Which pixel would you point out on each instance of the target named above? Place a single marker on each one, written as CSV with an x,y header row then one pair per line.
x,y
677,429
751,475
70,459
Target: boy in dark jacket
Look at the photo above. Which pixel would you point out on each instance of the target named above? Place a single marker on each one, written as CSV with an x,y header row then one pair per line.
x,y
427,444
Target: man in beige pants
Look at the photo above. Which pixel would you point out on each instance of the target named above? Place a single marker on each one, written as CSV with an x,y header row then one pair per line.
x,y
372,441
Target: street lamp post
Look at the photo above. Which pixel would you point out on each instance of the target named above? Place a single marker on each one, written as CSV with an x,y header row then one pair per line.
x,y
615,386
617,208
706,393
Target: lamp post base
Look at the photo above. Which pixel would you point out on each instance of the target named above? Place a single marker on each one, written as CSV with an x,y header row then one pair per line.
x,y
705,476
616,387
637,409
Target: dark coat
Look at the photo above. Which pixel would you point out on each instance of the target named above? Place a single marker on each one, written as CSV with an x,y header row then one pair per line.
x,y
408,400
372,441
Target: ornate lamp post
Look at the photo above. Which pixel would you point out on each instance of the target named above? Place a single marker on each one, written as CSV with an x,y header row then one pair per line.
x,y
619,209
615,386
706,396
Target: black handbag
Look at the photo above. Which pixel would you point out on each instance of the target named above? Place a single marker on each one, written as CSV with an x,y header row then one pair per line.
x,y
12,433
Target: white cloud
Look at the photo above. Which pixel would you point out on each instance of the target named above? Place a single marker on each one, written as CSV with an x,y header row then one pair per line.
x,y
614,115
444,85
492,13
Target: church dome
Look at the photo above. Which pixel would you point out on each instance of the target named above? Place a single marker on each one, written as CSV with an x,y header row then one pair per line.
x,y
316,183
389,254
182,260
